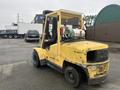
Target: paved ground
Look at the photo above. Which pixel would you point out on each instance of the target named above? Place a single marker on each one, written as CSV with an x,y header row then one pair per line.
x,y
17,72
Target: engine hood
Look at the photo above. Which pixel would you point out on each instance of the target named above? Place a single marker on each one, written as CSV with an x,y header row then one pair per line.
x,y
85,45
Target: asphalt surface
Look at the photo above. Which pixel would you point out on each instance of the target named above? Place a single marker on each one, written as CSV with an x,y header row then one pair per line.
x,y
18,73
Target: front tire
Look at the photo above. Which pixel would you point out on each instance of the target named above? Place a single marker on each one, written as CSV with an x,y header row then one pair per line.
x,y
36,61
72,76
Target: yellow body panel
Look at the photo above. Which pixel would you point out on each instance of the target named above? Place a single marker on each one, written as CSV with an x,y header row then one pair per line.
x,y
42,53
74,52
86,45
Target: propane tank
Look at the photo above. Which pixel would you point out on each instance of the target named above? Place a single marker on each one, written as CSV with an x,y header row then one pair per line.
x,y
79,33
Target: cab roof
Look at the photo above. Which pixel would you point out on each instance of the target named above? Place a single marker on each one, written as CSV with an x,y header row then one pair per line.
x,y
65,14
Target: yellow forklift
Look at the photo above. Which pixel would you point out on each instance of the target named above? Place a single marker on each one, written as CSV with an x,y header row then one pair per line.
x,y
78,59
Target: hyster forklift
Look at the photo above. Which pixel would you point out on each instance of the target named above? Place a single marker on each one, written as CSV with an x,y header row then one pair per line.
x,y
79,60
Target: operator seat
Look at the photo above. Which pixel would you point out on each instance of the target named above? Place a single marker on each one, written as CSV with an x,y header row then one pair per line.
x,y
53,38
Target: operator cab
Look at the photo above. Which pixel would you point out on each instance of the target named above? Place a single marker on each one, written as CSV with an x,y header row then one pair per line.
x,y
50,32
57,29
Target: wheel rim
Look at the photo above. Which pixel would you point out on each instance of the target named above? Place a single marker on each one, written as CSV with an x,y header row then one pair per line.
x,y
10,36
71,77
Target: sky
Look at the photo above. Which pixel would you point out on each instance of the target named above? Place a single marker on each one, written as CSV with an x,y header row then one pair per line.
x,y
28,8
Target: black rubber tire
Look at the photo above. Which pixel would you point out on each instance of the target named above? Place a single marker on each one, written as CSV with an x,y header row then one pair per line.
x,y
72,76
15,36
25,40
10,36
36,61
37,40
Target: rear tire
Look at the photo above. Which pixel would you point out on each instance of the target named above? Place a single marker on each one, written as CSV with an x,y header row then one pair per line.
x,y
72,76
36,61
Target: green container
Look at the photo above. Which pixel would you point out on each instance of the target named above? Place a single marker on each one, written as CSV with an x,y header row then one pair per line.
x,y
109,14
